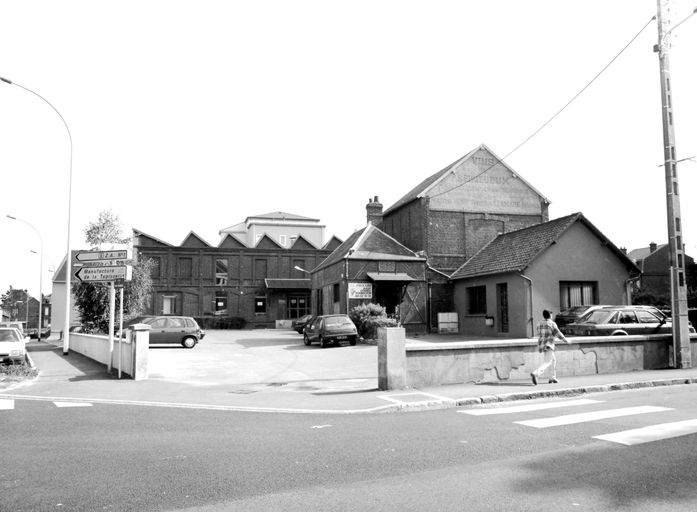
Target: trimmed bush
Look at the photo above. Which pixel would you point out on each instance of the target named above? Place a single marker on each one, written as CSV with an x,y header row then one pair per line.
x,y
221,322
368,317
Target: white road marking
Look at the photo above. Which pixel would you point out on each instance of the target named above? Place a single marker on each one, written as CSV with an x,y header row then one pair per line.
x,y
321,426
6,404
570,419
72,404
529,407
651,433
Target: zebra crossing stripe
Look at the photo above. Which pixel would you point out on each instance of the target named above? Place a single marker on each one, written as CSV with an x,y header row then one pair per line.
x,y
72,404
529,407
571,419
651,433
6,404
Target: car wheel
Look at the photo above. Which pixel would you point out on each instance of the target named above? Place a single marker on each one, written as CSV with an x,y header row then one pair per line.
x,y
189,342
322,342
306,340
352,342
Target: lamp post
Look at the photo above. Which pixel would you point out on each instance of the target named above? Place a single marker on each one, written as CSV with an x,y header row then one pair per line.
x,y
41,271
68,254
678,288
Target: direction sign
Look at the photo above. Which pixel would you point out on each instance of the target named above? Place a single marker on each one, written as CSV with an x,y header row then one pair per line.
x,y
102,255
103,263
104,273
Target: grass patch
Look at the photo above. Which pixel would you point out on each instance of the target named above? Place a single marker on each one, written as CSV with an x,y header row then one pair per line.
x,y
17,372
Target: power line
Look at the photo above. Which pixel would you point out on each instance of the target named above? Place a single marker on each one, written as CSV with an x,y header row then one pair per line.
x,y
500,160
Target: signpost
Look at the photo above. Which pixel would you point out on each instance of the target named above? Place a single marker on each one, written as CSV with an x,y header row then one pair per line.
x,y
104,274
110,267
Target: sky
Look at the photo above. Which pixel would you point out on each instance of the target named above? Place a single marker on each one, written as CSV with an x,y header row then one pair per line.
x,y
193,115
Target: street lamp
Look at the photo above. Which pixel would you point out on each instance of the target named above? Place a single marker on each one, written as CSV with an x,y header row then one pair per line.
x,y
68,254
39,326
678,282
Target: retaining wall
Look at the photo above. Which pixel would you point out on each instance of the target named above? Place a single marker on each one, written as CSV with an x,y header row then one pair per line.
x,y
429,364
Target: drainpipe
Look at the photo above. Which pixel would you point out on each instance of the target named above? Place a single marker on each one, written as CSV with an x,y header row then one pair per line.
x,y
530,318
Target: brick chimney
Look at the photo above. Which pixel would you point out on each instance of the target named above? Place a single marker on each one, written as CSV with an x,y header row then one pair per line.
x,y
652,247
374,211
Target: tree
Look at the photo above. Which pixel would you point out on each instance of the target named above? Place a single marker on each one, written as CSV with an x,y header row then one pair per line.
x,y
92,299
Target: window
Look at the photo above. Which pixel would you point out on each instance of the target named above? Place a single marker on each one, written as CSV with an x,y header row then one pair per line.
x,y
646,317
175,323
292,240
260,305
476,300
260,269
337,293
220,306
156,265
577,294
298,306
283,240
221,271
185,266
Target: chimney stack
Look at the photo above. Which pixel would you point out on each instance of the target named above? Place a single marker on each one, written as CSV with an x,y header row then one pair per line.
x,y
652,247
374,211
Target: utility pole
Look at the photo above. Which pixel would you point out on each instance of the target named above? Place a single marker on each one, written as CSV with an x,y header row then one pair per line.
x,y
678,288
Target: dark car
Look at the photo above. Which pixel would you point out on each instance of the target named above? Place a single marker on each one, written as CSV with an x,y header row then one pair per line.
x,y
299,323
571,315
172,329
330,329
622,320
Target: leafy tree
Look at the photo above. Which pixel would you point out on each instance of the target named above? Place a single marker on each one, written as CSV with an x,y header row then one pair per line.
x,y
92,299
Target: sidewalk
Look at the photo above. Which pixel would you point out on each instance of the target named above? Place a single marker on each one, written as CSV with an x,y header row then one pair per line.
x,y
78,379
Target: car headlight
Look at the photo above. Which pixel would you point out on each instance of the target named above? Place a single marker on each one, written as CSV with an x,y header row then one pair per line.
x,y
16,352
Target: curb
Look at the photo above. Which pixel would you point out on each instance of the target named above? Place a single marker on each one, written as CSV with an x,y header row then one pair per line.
x,y
575,391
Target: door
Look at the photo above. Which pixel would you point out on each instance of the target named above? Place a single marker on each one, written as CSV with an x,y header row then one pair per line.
x,y
502,306
158,331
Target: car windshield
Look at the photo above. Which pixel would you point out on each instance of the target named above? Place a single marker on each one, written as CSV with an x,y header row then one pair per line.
x,y
8,335
338,320
598,316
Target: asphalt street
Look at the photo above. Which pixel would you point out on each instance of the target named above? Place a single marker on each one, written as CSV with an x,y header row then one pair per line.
x,y
75,456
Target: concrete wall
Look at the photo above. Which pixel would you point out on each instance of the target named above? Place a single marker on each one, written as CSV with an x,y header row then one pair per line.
x,y
130,356
429,364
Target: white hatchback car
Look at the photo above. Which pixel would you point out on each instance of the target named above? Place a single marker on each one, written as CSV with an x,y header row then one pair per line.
x,y
12,346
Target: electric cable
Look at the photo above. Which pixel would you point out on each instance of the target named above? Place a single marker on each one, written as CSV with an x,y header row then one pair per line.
x,y
500,160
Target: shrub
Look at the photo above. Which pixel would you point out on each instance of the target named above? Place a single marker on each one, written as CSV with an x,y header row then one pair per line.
x,y
221,322
368,317
17,372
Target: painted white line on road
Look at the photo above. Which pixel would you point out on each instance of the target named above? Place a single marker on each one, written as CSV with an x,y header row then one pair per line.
x,y
529,407
584,417
651,433
412,398
72,404
209,407
6,404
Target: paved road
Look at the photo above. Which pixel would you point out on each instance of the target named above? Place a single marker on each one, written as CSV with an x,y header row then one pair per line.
x,y
107,457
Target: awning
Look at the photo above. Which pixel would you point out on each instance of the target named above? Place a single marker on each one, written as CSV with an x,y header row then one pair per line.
x,y
289,284
400,276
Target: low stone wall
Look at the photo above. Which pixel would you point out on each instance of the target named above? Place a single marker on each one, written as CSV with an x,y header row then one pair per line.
x,y
130,356
429,364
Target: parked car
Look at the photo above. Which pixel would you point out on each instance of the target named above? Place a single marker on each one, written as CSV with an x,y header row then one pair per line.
x,y
172,329
622,320
330,329
17,325
299,323
571,315
12,345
